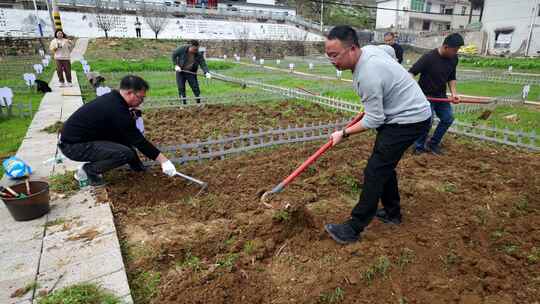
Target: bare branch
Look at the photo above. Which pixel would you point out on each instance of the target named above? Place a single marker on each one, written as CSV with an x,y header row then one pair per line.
x,y
105,19
156,16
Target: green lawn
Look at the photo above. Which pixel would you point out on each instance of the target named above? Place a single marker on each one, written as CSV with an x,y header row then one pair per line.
x,y
492,89
14,129
528,118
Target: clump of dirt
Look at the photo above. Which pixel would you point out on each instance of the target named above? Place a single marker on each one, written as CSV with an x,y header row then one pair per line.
x,y
471,226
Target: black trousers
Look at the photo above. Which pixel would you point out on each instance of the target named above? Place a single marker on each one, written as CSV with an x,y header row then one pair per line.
x,y
138,32
181,78
101,156
380,179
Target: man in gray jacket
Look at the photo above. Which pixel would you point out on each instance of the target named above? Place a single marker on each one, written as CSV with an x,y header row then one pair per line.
x,y
395,106
186,60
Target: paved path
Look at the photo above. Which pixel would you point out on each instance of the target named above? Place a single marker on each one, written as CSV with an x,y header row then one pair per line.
x,y
82,245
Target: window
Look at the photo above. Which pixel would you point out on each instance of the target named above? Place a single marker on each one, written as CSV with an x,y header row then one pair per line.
x,y
503,38
538,10
425,25
448,26
428,7
463,10
449,11
417,5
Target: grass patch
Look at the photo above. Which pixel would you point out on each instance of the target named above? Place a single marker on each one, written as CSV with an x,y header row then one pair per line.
x,y
85,293
281,216
228,261
54,128
528,119
14,128
380,268
534,256
406,256
190,262
56,222
144,286
64,183
335,296
450,259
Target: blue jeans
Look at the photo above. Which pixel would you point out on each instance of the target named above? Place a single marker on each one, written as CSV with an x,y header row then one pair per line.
x,y
443,110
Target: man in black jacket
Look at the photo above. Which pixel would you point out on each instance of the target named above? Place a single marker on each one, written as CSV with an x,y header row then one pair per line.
x,y
390,39
186,60
103,133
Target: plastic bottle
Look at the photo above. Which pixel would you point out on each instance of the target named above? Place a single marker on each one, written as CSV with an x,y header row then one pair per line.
x,y
82,178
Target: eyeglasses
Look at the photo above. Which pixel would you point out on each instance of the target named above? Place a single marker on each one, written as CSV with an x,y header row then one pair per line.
x,y
335,57
141,98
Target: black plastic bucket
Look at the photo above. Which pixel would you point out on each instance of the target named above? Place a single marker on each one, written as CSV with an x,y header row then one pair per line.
x,y
32,206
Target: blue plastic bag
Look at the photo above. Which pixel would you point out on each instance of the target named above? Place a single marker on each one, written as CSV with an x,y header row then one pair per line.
x,y
16,168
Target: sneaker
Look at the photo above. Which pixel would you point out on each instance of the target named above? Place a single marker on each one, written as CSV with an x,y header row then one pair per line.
x,y
342,233
435,149
383,217
95,180
418,151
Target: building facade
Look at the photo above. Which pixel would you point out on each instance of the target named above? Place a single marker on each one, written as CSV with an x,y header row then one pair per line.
x,y
424,15
512,26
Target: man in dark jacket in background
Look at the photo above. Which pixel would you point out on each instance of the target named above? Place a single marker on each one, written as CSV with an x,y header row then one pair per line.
x,y
390,39
186,60
103,134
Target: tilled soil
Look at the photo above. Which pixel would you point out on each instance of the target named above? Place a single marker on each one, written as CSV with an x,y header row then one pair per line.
x,y
471,229
175,125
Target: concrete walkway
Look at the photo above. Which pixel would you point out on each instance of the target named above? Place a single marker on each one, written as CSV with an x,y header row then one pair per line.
x,y
76,241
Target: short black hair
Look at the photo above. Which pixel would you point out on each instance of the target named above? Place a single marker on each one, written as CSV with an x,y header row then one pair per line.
x,y
56,33
345,34
134,82
194,43
390,34
454,40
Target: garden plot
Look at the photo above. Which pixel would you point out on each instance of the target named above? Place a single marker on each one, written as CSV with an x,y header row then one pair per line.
x,y
176,125
470,232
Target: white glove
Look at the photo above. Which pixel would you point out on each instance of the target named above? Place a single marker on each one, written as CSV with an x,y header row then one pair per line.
x,y
177,68
168,168
208,76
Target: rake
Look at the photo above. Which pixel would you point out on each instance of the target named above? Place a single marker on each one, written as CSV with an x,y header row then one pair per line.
x,y
269,195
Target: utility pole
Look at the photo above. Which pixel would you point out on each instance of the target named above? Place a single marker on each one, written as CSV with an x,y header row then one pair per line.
x,y
40,29
533,23
322,13
56,16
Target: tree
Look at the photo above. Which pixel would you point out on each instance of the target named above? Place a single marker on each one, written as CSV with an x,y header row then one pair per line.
x,y
105,20
156,16
476,4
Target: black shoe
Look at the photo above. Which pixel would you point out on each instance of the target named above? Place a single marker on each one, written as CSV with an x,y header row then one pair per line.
x,y
94,180
342,233
435,149
383,217
418,151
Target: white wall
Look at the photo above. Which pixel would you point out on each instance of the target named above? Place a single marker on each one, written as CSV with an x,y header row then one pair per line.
x,y
18,23
255,9
512,13
386,18
267,2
